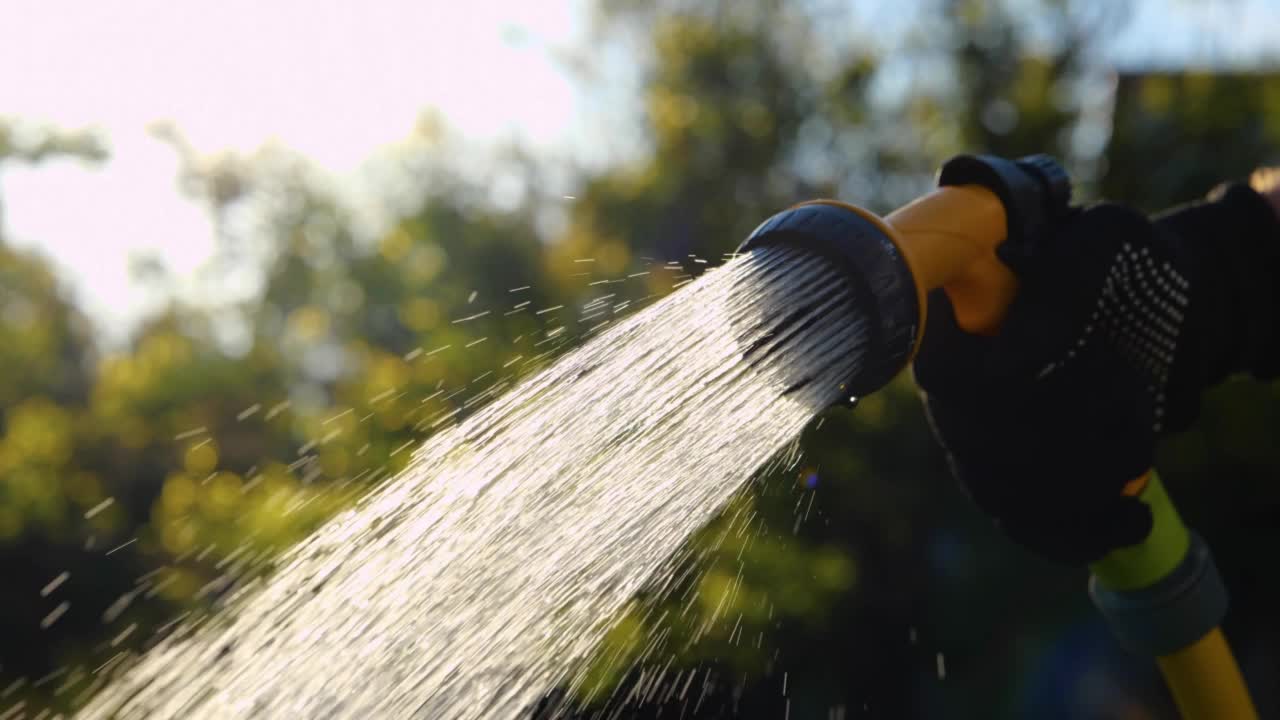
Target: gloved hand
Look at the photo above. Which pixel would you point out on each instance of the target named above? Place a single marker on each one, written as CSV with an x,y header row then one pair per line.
x,y
1229,251
1046,422
1119,324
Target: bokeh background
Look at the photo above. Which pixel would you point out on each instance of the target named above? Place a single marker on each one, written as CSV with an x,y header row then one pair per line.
x,y
234,238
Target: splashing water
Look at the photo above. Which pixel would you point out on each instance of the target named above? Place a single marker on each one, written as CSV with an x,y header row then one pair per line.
x,y
481,577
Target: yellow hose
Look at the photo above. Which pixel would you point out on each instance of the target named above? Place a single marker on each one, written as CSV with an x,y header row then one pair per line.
x,y
1203,676
1206,682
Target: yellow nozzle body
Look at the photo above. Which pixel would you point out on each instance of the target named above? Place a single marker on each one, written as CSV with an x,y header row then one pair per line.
x,y
949,239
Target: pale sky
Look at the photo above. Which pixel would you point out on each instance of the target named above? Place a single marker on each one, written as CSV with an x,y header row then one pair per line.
x,y
332,80
335,81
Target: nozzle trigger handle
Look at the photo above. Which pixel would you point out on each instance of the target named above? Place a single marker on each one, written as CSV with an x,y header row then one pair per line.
x,y
1035,191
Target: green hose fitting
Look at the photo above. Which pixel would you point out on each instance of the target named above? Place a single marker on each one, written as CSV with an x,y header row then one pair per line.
x,y
1155,557
1164,593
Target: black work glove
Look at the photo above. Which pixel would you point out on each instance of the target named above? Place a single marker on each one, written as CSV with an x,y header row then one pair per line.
x,y
1229,250
1046,422
1119,325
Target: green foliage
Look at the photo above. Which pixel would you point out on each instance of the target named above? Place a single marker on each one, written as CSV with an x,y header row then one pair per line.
x,y
31,142
1177,134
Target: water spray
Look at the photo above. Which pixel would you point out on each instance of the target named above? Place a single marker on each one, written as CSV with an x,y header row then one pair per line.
x,y
1163,597
485,575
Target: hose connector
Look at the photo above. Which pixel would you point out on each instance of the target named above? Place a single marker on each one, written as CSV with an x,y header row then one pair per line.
x,y
1164,593
1170,615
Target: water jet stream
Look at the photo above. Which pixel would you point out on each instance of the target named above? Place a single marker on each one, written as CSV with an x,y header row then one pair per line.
x,y
482,576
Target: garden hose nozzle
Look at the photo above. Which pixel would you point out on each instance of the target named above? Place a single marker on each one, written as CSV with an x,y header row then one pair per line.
x,y
958,237
973,238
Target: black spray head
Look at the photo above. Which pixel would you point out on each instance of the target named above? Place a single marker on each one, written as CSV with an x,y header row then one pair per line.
x,y
879,280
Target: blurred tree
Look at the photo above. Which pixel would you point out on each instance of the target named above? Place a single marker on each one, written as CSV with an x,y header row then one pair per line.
x,y
1175,135
46,354
30,142
44,340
